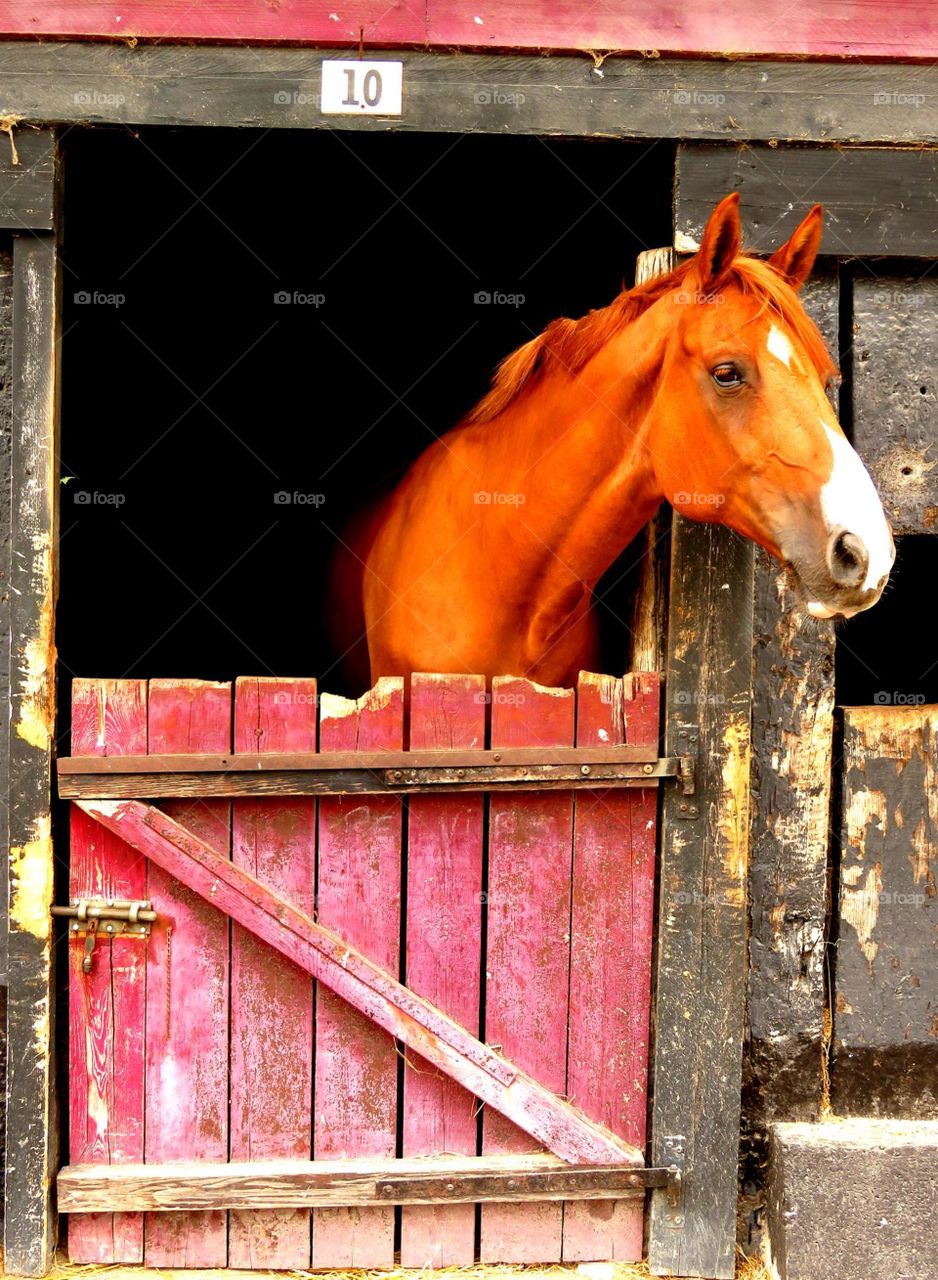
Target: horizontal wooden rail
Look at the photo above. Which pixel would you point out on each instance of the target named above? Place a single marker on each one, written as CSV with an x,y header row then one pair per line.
x,y
300,1184
375,773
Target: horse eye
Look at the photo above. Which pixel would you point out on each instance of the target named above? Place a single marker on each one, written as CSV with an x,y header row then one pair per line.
x,y
727,376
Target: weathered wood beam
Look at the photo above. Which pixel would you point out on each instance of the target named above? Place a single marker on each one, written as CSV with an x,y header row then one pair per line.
x,y
792,743
717,100
895,426
27,180
649,621
415,1022
368,773
877,200
299,1184
325,761
702,913
31,1138
886,970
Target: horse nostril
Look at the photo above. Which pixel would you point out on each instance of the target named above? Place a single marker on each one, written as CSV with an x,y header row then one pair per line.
x,y
847,559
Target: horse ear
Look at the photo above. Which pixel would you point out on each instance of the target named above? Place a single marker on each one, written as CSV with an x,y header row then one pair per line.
x,y
796,258
720,244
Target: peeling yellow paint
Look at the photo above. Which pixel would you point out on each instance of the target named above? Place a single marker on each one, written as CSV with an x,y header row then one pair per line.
x,y
864,807
734,821
860,906
334,707
37,707
31,885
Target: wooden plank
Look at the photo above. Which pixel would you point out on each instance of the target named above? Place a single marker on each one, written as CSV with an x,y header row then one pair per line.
x,y
649,623
29,1217
792,725
792,741
290,1184
717,100
700,997
328,761
839,29
360,782
188,988
6,529
272,1002
359,898
528,948
895,393
107,1007
364,985
877,200
885,1052
610,955
443,954
28,164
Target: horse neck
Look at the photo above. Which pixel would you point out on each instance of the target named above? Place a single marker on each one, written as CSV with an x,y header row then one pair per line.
x,y
578,456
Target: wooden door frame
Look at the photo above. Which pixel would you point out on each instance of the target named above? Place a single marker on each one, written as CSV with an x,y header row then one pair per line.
x,y
29,191
823,103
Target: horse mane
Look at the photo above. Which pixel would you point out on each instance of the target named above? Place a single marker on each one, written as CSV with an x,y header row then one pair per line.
x,y
568,344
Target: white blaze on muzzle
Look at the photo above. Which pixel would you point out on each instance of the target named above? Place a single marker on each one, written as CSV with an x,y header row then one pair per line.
x,y
849,501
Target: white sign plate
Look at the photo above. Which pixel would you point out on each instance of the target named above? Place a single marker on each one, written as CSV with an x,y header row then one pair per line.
x,y
362,88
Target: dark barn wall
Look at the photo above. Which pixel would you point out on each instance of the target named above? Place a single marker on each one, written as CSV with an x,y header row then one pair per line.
x,y
6,417
6,411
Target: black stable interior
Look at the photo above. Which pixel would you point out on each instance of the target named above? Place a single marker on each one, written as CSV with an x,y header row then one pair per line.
x,y
193,395
887,656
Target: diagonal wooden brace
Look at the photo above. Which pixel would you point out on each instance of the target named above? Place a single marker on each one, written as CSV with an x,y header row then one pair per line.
x,y
555,1123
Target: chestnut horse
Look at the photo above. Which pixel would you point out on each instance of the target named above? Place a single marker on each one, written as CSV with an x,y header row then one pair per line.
x,y
705,387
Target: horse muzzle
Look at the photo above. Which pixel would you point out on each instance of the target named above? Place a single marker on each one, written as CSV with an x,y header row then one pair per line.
x,y
851,578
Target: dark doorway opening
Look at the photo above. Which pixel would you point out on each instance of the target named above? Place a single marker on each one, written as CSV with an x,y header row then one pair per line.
x,y
262,328
887,656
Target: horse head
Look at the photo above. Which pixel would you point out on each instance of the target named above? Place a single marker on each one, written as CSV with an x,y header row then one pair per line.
x,y
743,433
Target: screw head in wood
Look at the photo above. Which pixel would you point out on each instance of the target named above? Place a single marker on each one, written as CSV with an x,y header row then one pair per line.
x,y
584,769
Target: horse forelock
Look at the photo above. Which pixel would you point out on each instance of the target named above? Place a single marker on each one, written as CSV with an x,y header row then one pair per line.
x,y
568,344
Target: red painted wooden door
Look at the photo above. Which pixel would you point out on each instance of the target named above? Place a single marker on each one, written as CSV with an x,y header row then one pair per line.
x,y
526,917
